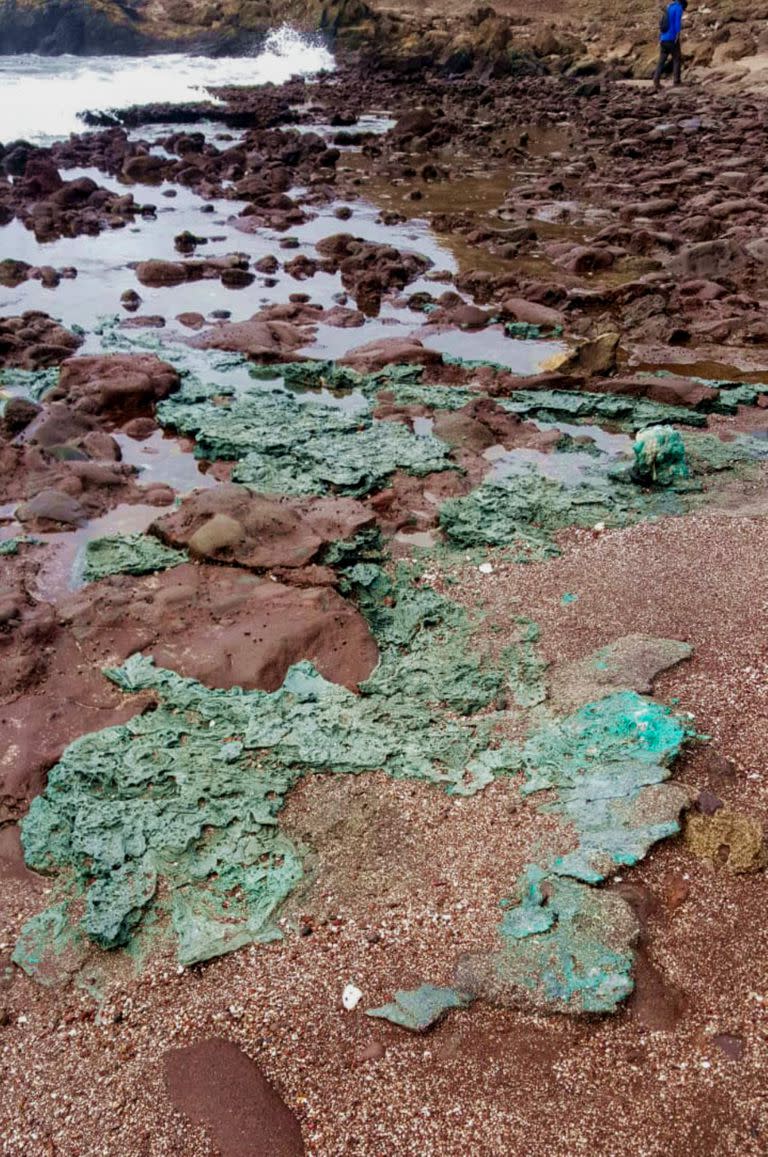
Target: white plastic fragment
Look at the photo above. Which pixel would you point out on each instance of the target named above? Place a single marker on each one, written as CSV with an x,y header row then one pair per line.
x,y
485,568
351,997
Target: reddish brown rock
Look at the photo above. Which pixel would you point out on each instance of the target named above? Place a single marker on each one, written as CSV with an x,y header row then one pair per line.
x,y
35,341
220,625
216,1085
119,385
262,340
532,312
229,523
389,351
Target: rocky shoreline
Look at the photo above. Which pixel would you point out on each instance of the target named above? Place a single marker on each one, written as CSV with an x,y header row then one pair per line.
x,y
415,427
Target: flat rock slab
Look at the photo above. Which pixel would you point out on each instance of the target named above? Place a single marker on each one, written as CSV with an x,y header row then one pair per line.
x,y
216,1085
222,626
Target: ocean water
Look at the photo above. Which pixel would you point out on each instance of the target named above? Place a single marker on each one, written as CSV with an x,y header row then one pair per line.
x,y
41,97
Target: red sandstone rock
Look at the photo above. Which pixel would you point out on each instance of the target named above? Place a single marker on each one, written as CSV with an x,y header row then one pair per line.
x,y
229,523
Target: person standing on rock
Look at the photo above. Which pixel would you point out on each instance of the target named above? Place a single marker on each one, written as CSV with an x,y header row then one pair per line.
x,y
670,28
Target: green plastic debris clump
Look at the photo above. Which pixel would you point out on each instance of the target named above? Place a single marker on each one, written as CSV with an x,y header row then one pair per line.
x,y
526,330
127,554
659,456
34,383
528,509
628,413
607,764
189,794
282,445
566,947
418,1009
10,546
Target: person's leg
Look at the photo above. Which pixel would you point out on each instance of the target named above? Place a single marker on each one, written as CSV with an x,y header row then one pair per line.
x,y
660,66
677,62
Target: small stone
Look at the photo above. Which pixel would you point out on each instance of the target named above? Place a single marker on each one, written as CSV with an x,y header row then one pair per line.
x,y
372,1052
485,568
708,803
351,997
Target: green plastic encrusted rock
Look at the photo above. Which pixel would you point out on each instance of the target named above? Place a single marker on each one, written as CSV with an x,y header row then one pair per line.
x,y
566,947
127,554
283,445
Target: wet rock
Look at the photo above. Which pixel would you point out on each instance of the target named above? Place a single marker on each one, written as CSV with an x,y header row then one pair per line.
x,y
713,260
144,167
237,278
115,384
532,313
13,273
35,341
216,1085
140,428
18,413
156,273
259,339
51,506
222,626
148,321
376,355
229,523
130,299
191,320
101,446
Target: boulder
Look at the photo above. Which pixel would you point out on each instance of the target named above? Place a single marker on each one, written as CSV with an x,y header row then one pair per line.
x,y
221,626
712,260
51,506
229,523
389,351
267,341
115,384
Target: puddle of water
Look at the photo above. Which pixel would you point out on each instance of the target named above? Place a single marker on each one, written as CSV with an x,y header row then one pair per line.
x,y
493,346
163,459
61,571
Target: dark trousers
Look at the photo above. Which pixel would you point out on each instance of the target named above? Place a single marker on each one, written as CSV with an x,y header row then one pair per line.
x,y
668,50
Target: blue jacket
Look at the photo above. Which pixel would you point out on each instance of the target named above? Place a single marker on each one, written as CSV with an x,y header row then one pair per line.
x,y
674,23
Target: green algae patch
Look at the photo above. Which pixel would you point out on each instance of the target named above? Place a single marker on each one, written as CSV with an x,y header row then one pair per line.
x,y
127,554
566,948
418,1009
283,445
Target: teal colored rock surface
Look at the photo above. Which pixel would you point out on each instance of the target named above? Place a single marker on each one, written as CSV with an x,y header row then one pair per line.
x,y
127,554
418,1009
628,413
659,456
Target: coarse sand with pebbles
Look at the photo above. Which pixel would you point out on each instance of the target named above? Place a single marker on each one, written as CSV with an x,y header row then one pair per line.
x,y
405,880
